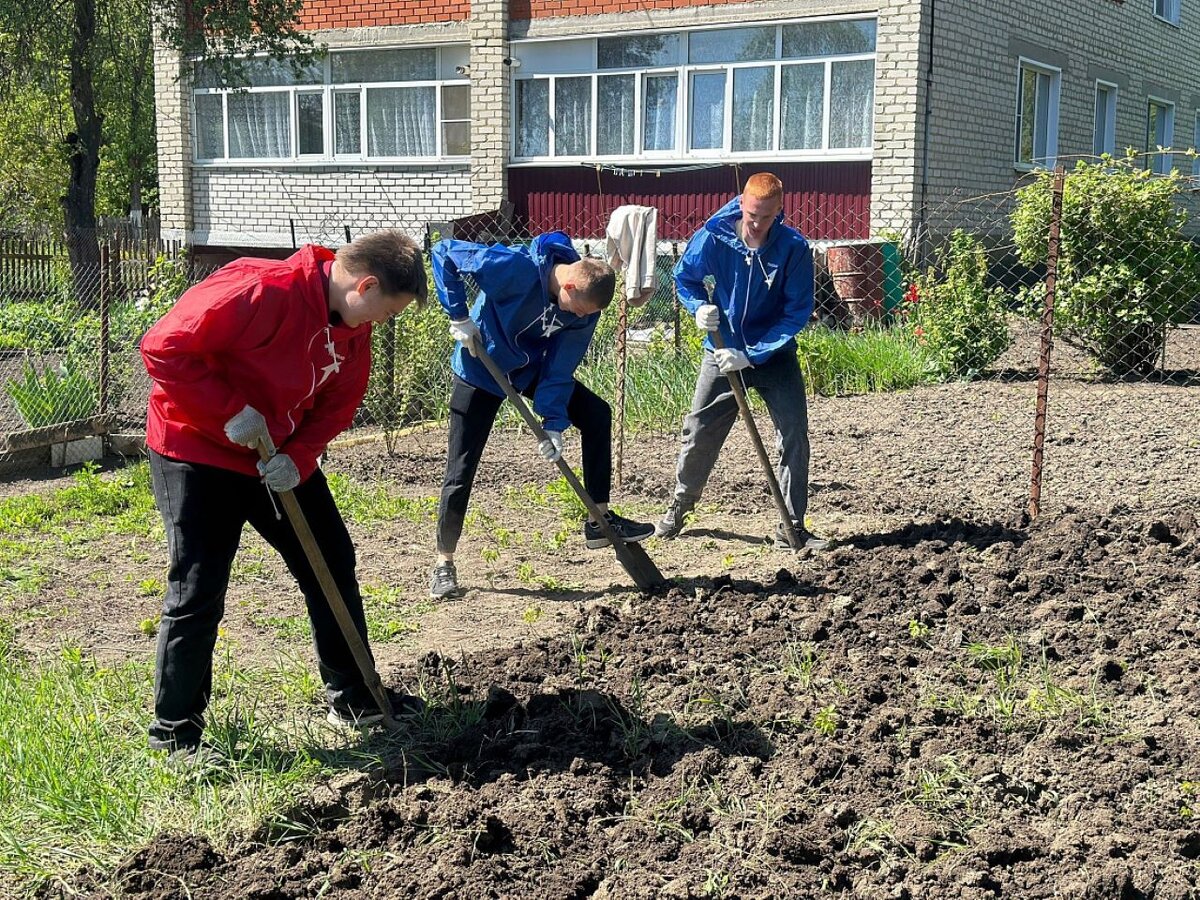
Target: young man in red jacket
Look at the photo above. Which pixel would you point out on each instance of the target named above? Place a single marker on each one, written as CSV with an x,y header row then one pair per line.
x,y
262,349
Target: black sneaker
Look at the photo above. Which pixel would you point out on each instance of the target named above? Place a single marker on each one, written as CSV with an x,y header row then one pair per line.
x,y
443,583
356,715
672,521
808,540
629,531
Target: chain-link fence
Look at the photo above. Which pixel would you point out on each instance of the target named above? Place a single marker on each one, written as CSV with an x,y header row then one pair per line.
x,y
1071,304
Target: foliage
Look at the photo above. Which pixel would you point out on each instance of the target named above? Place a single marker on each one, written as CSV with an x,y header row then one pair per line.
x,y
874,359
961,323
410,371
1125,271
52,396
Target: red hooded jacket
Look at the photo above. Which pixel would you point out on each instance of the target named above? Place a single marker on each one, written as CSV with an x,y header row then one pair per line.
x,y
256,332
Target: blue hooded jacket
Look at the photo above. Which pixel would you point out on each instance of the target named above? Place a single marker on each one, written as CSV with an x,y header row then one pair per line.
x,y
522,327
765,295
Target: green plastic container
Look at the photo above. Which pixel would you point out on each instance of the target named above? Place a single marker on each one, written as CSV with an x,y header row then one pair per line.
x,y
893,281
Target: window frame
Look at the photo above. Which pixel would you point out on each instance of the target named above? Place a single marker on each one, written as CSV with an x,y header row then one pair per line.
x,y
1054,73
328,90
1154,159
1107,142
683,71
1170,11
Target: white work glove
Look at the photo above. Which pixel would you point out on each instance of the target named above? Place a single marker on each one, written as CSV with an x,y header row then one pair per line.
x,y
730,360
551,448
280,473
708,317
466,332
247,428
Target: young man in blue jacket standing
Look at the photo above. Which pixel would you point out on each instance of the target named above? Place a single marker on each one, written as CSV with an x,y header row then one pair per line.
x,y
535,314
762,298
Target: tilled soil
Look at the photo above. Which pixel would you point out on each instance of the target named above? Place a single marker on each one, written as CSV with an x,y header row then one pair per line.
x,y
951,702
954,709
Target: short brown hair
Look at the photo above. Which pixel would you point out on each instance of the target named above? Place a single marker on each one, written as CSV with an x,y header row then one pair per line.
x,y
596,282
764,186
392,257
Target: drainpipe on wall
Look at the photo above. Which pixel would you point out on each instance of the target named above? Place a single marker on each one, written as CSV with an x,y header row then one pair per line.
x,y
922,213
491,88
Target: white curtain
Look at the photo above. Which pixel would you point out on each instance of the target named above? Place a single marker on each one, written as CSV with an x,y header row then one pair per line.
x,y
401,121
346,127
615,116
658,126
851,100
708,110
753,108
260,125
533,117
572,116
802,105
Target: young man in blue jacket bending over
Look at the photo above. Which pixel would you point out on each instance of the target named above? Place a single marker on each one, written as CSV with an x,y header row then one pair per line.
x,y
535,314
762,298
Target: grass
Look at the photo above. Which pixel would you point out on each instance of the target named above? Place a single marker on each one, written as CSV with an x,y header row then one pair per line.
x,y
121,504
861,362
78,784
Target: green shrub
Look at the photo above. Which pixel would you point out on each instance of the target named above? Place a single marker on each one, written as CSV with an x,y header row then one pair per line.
x,y
35,325
874,359
62,395
960,322
1125,272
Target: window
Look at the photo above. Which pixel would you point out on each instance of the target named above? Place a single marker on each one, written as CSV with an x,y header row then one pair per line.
x,y
1196,146
1104,138
354,105
1168,10
803,89
1160,131
1037,115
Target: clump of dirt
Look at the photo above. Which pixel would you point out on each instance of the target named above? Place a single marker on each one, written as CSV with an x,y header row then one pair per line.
x,y
954,709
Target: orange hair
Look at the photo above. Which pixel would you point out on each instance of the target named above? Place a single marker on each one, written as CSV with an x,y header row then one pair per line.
x,y
764,186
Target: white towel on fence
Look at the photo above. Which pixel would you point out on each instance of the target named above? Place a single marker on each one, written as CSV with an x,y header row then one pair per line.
x,y
630,246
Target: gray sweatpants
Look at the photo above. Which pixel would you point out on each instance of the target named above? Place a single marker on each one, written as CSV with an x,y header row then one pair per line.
x,y
714,410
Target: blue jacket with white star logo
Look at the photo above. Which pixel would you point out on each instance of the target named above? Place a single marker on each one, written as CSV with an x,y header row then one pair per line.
x,y
521,325
765,295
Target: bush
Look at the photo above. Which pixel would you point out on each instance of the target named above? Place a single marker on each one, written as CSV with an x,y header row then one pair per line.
x,y
961,323
859,362
1125,272
54,396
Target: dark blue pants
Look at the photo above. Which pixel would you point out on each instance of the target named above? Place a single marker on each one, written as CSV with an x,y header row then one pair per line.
x,y
472,414
204,509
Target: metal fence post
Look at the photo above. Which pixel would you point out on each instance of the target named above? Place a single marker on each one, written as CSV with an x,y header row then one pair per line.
x,y
105,291
1043,382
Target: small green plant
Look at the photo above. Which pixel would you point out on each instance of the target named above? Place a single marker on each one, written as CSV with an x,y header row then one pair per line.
x,y
52,396
149,627
1189,792
918,630
798,662
150,587
826,720
960,322
532,615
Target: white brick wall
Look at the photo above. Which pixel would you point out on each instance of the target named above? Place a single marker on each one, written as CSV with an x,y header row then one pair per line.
x,y
257,207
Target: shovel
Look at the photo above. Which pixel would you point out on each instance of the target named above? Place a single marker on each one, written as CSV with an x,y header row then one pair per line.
x,y
739,393
632,557
333,595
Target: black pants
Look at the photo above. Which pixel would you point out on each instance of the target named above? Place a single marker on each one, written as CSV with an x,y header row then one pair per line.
x,y
204,509
472,414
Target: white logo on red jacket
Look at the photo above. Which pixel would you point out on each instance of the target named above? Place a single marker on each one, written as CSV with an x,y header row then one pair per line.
x,y
335,361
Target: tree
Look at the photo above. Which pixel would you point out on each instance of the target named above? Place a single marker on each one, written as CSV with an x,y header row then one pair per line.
x,y
99,57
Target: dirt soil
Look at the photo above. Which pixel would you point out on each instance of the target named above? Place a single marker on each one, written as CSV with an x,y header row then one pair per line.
x,y
950,702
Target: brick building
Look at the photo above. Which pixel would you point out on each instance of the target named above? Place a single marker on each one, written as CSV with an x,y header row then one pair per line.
x,y
871,112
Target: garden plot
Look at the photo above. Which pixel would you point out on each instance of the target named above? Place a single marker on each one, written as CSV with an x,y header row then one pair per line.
x,y
951,703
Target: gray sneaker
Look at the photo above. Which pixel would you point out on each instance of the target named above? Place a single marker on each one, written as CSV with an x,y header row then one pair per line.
x,y
808,540
672,521
443,583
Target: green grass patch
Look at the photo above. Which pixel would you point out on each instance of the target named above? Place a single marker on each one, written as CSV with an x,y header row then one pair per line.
x,y
79,785
119,503
874,359
365,505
